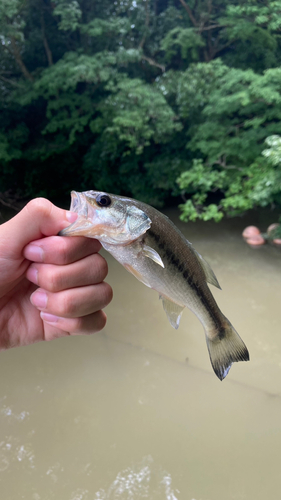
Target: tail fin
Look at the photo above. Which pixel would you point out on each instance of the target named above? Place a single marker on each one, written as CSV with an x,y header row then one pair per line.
x,y
225,348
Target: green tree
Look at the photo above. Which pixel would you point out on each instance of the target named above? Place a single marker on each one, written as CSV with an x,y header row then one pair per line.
x,y
239,109
131,95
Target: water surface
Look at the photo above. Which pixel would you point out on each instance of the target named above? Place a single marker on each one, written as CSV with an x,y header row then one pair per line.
x,y
136,412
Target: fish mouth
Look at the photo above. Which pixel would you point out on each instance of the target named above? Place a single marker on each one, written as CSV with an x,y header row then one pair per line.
x,y
79,206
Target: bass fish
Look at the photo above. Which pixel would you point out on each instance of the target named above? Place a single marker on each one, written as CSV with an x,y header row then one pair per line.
x,y
153,249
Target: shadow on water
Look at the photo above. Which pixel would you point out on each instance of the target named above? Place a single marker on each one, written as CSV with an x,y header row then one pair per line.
x,y
135,411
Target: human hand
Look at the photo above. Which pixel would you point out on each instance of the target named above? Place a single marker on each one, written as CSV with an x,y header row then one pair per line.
x,y
50,286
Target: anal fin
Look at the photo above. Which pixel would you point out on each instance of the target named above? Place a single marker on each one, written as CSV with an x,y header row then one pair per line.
x,y
173,311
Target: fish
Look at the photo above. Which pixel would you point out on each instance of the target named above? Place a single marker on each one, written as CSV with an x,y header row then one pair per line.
x,y
152,248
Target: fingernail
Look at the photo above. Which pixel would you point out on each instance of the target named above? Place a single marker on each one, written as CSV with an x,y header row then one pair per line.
x,y
32,275
34,252
71,216
49,318
39,299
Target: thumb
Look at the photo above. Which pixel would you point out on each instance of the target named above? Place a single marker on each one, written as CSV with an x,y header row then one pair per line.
x,y
37,219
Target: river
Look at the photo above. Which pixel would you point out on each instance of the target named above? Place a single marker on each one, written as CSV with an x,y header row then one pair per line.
x,y
135,412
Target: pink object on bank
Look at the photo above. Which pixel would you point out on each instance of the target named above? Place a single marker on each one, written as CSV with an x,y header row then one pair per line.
x,y
251,231
256,240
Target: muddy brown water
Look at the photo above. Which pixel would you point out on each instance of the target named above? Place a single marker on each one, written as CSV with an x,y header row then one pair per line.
x,y
135,412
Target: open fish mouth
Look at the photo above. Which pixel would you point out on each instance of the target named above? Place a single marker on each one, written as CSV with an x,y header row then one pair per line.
x,y
79,205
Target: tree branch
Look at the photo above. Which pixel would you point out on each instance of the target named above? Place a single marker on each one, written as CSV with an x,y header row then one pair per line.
x,y
223,47
141,44
214,26
222,163
15,84
155,7
45,41
17,56
189,11
154,63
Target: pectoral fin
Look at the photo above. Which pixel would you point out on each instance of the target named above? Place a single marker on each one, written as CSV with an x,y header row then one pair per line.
x,y
173,311
152,254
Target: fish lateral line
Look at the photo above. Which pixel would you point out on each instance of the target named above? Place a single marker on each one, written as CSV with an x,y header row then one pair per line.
x,y
169,254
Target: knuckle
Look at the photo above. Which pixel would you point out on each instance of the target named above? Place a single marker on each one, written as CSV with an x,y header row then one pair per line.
x,y
92,245
101,267
63,251
100,320
50,277
67,305
107,294
55,282
40,206
78,324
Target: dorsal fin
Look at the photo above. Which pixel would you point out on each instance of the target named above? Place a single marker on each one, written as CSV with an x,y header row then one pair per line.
x,y
209,273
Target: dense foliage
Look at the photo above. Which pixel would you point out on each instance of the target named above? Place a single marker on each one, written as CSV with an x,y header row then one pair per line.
x,y
148,98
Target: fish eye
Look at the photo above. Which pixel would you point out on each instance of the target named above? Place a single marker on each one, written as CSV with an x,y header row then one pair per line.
x,y
103,200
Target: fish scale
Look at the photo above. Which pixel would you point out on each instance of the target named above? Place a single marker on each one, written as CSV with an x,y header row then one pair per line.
x,y
180,265
153,249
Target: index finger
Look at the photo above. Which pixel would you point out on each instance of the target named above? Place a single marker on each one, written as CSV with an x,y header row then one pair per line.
x,y
61,250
